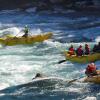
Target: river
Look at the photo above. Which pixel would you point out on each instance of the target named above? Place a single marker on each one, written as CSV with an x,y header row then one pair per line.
x,y
20,63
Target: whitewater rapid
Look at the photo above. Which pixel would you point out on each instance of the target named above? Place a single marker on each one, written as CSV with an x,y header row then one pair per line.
x,y
20,63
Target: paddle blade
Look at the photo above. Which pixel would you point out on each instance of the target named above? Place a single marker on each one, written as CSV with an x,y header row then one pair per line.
x,y
61,61
72,81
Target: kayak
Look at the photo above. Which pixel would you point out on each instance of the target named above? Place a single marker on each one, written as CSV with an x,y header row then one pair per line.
x,y
93,79
12,40
82,59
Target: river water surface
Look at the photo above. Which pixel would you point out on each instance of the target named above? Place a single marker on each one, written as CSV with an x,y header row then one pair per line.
x,y
20,63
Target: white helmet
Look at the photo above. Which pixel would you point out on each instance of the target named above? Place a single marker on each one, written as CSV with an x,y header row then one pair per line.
x,y
26,26
92,64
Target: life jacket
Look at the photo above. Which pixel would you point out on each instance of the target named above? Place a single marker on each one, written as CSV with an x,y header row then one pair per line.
x,y
87,50
91,68
79,51
71,51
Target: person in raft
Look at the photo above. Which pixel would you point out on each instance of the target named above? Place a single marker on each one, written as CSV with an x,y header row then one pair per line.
x,y
71,50
87,49
96,48
79,51
91,70
26,31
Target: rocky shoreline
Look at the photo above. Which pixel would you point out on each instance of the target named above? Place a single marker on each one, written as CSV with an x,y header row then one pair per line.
x,y
85,5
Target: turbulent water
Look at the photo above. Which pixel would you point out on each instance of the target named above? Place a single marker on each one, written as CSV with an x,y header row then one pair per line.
x,y
20,63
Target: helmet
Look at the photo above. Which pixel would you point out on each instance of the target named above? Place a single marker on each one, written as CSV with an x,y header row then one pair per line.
x,y
86,44
92,64
26,26
80,46
71,46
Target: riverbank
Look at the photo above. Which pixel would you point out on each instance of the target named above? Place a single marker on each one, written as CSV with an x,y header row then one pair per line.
x,y
40,5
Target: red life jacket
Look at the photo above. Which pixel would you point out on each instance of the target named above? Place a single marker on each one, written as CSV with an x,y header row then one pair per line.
x,y
80,51
87,50
71,49
91,68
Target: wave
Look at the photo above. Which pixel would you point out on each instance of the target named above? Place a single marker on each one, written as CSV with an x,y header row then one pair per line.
x,y
52,86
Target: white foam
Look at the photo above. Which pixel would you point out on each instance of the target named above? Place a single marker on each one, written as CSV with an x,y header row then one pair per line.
x,y
76,90
13,30
48,78
3,85
90,98
97,39
70,35
36,31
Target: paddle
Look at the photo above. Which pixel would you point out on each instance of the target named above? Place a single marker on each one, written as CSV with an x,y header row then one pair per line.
x,y
61,61
71,81
30,34
18,33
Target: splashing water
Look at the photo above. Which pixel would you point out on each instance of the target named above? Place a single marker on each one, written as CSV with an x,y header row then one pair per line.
x,y
20,63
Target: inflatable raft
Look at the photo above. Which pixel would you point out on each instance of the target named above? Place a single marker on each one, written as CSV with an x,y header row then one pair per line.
x,y
10,41
82,59
93,79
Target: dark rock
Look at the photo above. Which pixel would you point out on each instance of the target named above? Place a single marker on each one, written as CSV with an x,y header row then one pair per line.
x,y
13,4
50,4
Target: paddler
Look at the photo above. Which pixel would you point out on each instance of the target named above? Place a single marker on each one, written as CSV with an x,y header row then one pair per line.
x,y
96,48
71,50
79,51
91,70
26,31
87,49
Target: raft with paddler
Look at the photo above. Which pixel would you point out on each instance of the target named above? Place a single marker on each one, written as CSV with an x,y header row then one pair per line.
x,y
82,56
11,40
91,72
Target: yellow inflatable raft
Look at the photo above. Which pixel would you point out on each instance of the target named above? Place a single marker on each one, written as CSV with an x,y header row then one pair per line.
x,y
10,41
82,59
93,79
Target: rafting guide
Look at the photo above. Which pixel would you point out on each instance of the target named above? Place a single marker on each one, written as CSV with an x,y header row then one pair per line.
x,y
26,31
